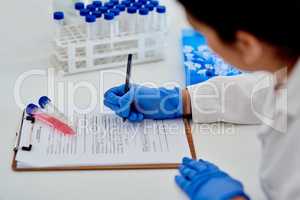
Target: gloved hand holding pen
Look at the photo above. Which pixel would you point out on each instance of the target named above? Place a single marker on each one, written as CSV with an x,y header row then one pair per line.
x,y
142,102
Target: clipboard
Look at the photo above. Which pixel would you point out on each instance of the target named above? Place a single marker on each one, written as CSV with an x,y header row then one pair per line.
x,y
17,148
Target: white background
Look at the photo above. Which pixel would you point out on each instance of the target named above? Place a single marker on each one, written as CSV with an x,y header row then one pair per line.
x,y
25,36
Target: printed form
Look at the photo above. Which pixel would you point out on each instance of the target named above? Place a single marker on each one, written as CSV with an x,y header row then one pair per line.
x,y
104,139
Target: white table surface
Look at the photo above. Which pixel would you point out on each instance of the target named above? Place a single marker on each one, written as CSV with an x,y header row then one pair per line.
x,y
25,44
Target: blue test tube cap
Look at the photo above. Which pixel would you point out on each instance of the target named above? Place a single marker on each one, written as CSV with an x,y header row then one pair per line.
x,y
84,12
115,2
116,11
132,10
138,4
97,4
103,9
31,109
58,15
126,3
142,1
150,7
43,101
161,9
91,7
90,18
97,13
154,3
210,72
109,16
121,7
109,5
79,5
143,11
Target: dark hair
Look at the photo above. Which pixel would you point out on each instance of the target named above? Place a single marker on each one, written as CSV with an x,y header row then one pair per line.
x,y
276,23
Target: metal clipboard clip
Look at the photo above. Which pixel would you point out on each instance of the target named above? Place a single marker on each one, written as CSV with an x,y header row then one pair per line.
x,y
19,134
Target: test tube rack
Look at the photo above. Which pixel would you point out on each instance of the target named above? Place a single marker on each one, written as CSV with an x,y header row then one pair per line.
x,y
74,53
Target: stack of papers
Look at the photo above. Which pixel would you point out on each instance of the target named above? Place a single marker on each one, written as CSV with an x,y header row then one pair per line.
x,y
103,139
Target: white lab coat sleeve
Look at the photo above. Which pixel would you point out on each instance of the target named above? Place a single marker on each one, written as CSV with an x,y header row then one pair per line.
x,y
236,99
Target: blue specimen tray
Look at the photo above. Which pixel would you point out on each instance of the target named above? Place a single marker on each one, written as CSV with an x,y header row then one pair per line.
x,y
200,62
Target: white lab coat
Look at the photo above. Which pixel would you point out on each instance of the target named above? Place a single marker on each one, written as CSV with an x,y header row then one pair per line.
x,y
252,99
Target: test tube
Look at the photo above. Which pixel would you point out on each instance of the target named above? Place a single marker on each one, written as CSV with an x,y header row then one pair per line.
x,y
161,18
49,119
150,7
122,18
143,21
98,16
90,27
46,104
108,25
59,23
78,6
83,12
116,28
131,20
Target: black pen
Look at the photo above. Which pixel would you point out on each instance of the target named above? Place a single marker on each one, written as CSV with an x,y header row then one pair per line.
x,y
128,75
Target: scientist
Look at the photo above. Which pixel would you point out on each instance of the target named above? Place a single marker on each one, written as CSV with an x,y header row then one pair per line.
x,y
253,37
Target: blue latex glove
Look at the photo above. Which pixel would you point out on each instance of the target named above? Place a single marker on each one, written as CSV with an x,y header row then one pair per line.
x,y
202,180
144,103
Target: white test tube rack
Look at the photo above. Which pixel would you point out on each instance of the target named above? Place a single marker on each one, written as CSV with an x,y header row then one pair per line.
x,y
73,53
